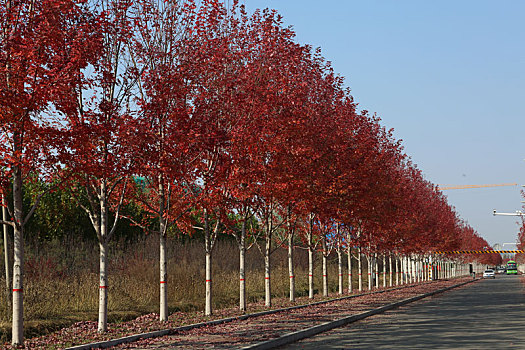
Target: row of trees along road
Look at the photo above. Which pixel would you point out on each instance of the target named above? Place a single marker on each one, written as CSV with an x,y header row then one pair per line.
x,y
225,120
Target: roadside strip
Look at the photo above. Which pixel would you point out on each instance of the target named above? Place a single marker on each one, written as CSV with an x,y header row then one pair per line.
x,y
170,331
309,332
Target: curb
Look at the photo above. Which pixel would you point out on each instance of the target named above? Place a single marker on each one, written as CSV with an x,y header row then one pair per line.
x,y
309,332
154,334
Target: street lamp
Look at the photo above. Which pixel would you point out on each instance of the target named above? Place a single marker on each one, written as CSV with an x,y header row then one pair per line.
x,y
517,213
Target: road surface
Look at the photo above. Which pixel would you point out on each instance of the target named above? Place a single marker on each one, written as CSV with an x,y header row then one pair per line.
x,y
489,314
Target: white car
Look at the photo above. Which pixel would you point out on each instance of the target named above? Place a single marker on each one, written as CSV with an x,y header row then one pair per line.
x,y
489,274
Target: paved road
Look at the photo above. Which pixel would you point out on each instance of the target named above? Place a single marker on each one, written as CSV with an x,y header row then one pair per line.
x,y
489,314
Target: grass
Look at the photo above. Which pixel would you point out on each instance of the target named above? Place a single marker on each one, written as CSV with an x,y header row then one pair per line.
x,y
61,281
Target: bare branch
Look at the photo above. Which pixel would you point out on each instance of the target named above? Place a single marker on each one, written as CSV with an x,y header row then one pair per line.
x,y
117,212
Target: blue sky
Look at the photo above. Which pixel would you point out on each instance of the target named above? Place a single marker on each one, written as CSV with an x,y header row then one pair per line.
x,y
448,76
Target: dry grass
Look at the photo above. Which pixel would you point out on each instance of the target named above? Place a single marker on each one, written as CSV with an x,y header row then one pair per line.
x,y
61,282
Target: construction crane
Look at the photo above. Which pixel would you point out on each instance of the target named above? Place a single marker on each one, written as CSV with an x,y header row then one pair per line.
x,y
459,187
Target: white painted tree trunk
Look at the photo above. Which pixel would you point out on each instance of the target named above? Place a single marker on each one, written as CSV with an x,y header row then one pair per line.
x,y
242,265
376,270
409,269
398,272
349,263
325,276
163,264
310,272
310,234
208,307
404,263
369,266
267,273
417,267
208,310
384,271
421,269
103,278
403,269
391,282
163,267
18,261
340,269
291,266
103,289
325,267
360,269
413,274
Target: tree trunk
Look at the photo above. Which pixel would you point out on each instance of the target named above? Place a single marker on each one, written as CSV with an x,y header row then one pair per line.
x,y
310,258
163,270
340,268
208,245
376,270
391,282
163,264
349,261
408,275
369,266
290,266
384,271
6,257
103,288
208,309
412,272
242,275
208,250
103,282
310,272
360,269
325,267
396,258
18,260
419,269
267,274
403,270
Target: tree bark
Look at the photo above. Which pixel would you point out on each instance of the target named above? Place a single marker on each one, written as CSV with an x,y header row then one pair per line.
x,y
103,289
403,270
208,245
290,267
290,257
360,269
325,267
163,270
369,266
208,308
242,264
103,279
310,260
18,260
349,262
376,270
396,258
6,257
391,282
384,271
163,264
340,268
267,272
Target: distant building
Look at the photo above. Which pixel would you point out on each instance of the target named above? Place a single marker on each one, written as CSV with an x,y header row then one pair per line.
x,y
505,246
